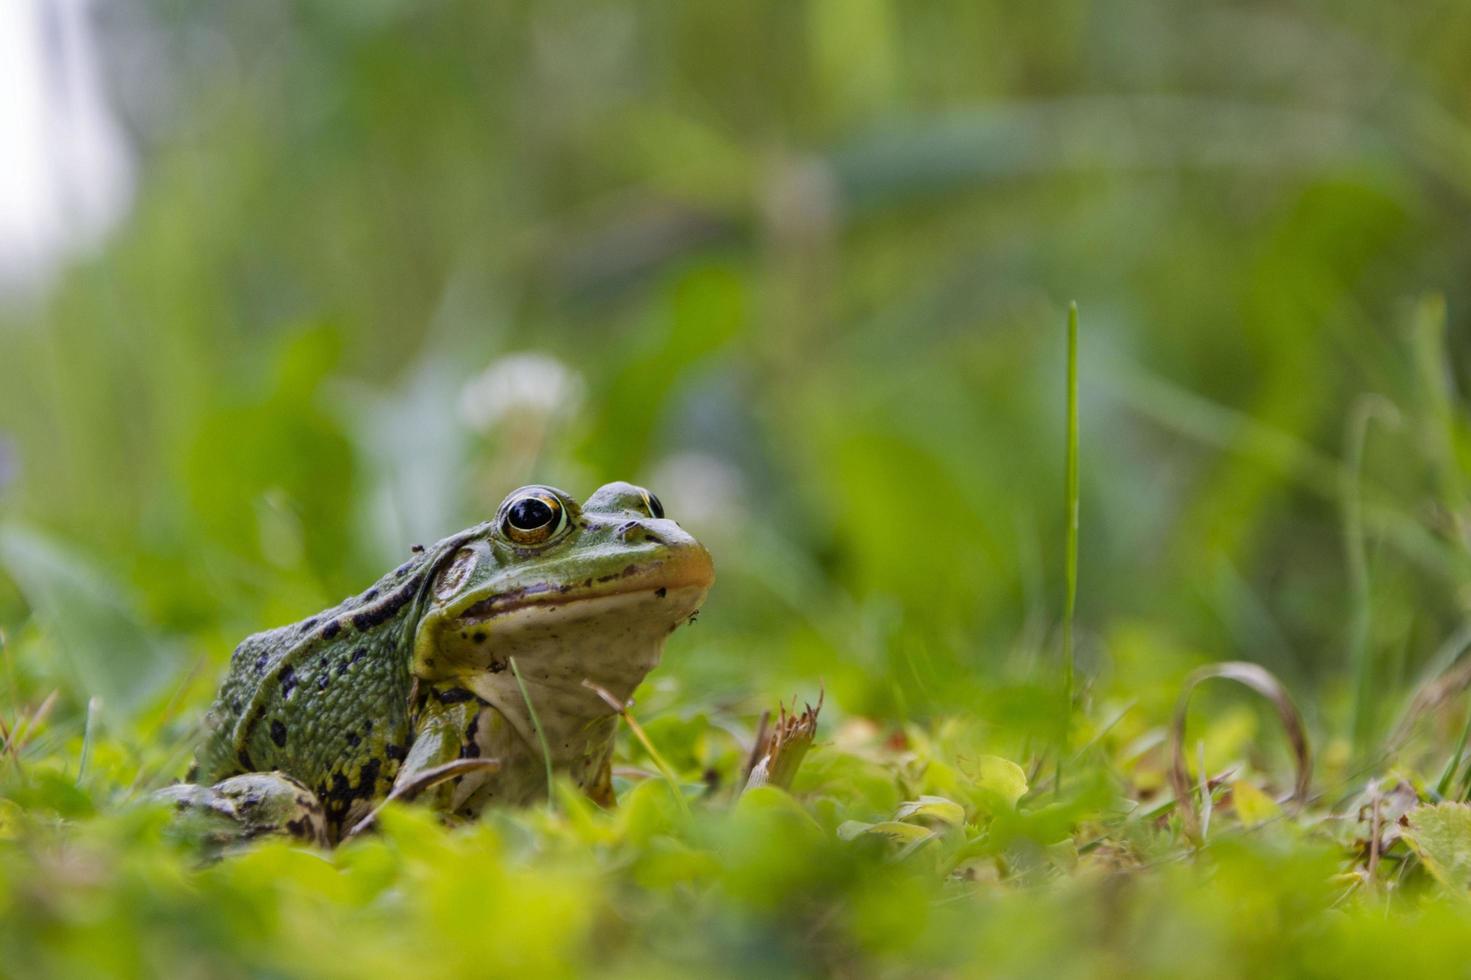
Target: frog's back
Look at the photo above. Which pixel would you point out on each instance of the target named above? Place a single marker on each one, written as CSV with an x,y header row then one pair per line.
x,y
325,700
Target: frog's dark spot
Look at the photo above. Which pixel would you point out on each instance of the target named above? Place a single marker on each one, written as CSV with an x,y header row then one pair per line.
x,y
340,795
496,666
403,569
246,762
235,705
288,681
278,733
370,595
470,750
661,592
464,635
428,661
359,654
331,629
367,725
587,582
307,624
342,667
323,679
368,778
395,752
353,739
297,827
261,661
453,695
385,610
417,549
694,616
480,636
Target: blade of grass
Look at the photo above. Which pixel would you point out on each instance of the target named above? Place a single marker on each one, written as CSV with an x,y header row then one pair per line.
x,y
1207,804
1070,564
546,751
1438,401
1361,665
94,706
1443,784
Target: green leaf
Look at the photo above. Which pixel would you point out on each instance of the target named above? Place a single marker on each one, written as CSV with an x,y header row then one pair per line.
x,y
106,648
899,833
1252,805
997,776
935,807
1441,836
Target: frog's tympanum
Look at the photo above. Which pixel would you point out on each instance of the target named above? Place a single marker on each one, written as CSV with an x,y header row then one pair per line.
x,y
318,722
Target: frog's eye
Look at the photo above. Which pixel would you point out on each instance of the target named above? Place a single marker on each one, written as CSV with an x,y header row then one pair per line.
x,y
652,505
533,518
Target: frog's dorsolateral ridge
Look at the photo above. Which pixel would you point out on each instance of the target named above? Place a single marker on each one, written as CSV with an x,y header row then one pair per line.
x,y
318,722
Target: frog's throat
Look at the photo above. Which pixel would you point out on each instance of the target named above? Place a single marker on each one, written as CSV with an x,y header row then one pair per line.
x,y
567,654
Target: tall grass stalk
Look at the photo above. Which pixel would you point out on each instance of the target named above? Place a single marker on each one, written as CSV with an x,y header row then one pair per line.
x,y
1070,566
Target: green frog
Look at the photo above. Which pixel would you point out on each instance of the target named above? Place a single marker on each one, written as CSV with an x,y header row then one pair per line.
x,y
460,675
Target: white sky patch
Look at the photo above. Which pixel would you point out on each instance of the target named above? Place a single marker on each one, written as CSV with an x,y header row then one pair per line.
x,y
65,172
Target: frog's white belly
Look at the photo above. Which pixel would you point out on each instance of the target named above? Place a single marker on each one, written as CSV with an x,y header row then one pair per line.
x,y
580,752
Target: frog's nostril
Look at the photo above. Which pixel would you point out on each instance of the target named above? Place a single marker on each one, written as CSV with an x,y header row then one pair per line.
x,y
634,532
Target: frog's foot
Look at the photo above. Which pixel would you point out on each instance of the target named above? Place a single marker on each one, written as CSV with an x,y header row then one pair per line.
x,y
241,808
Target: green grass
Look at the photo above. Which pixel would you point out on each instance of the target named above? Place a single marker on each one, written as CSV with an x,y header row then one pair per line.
x,y
901,846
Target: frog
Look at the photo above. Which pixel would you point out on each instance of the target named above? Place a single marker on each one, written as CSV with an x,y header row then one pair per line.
x,y
487,664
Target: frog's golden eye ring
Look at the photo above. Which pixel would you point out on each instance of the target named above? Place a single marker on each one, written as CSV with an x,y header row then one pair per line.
x,y
652,505
533,518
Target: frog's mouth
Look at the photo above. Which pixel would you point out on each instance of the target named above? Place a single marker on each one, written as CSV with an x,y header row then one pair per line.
x,y
681,572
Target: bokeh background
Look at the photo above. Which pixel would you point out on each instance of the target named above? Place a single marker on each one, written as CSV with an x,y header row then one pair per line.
x,y
289,287
802,269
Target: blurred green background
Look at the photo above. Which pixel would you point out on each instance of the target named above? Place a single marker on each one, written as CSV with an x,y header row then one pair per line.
x,y
802,269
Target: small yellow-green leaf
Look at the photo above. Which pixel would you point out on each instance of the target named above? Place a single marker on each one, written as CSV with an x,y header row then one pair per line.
x,y
1252,805
901,833
934,807
998,776
1441,836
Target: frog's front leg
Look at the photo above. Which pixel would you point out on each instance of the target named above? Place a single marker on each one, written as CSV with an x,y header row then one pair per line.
x,y
443,734
244,807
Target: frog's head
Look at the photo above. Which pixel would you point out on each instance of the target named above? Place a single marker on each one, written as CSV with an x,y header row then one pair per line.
x,y
572,592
